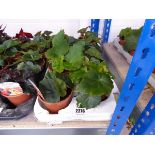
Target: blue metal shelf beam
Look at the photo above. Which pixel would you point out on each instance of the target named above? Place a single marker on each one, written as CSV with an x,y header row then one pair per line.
x,y
146,122
95,25
140,69
106,30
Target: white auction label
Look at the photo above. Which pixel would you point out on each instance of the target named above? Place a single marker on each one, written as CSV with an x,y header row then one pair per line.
x,y
80,110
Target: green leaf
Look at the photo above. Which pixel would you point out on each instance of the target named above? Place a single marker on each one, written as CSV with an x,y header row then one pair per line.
x,y
60,45
75,54
91,37
1,62
35,68
125,32
52,89
31,56
10,43
94,60
44,44
138,31
2,48
49,91
71,67
28,45
20,66
38,39
11,52
95,83
131,37
94,53
59,39
50,54
131,43
28,67
65,77
77,75
101,67
71,40
57,64
81,42
59,82
86,101
61,87
50,75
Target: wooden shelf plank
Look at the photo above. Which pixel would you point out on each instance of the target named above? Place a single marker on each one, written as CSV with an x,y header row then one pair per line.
x,y
121,66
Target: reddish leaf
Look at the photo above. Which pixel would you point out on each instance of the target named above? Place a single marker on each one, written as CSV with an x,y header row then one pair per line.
x,y
22,34
29,35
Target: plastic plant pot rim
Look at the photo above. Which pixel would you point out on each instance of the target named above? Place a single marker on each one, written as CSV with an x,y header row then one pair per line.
x,y
55,106
40,98
18,99
12,96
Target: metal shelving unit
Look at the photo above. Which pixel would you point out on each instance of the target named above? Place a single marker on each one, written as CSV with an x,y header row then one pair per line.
x,y
138,74
139,71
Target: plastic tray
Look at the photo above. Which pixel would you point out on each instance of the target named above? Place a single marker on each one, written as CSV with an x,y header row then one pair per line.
x,y
102,112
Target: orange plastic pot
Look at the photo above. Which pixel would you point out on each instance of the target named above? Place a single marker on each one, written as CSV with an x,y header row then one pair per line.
x,y
18,99
53,108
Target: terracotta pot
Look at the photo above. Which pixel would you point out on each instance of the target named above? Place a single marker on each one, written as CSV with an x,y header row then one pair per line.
x,y
18,99
53,108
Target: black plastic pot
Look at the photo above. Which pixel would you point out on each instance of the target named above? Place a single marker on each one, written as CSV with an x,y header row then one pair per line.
x,y
11,112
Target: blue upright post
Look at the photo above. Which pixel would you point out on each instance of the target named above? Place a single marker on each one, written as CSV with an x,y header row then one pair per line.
x,y
146,122
95,25
140,69
106,30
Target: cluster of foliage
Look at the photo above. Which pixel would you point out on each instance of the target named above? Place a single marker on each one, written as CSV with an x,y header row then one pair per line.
x,y
23,56
76,64
131,37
